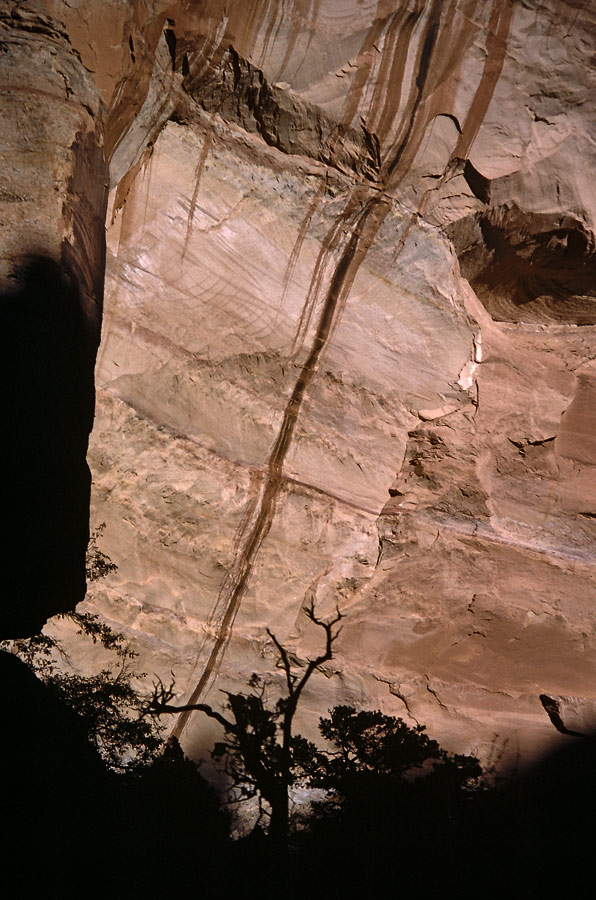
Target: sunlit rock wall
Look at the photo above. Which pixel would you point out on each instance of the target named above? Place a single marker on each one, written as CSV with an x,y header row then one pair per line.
x,y
347,355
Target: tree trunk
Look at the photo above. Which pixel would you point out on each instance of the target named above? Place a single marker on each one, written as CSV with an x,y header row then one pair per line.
x,y
280,817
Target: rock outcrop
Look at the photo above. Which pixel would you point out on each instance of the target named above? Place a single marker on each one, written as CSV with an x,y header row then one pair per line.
x,y
348,349
53,195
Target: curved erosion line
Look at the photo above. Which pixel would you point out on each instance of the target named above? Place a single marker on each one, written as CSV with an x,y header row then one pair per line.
x,y
354,252
476,531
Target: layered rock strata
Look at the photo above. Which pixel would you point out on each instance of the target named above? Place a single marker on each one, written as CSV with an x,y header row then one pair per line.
x,y
347,354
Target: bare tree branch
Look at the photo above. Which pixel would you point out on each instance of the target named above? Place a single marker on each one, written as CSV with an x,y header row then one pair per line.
x,y
258,746
330,638
160,703
285,660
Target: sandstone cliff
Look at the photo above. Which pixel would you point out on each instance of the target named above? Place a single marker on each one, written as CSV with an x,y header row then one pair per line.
x,y
348,344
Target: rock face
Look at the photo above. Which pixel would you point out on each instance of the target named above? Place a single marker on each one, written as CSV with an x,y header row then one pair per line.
x,y
347,353
53,194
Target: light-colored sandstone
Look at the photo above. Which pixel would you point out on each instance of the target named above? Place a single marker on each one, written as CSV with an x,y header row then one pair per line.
x,y
347,357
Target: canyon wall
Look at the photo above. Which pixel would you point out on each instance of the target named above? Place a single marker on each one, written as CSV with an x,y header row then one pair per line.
x,y
53,195
348,352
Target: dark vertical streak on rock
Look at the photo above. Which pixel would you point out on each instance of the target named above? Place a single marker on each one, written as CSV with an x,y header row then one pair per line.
x,y
496,48
312,16
297,248
390,86
329,244
423,67
367,221
198,173
269,32
356,90
361,218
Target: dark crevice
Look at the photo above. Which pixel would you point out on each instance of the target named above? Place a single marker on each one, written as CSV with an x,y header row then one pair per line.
x,y
541,442
478,184
171,41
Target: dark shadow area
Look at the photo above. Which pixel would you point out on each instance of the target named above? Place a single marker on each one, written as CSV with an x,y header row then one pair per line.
x,y
54,791
86,831
48,354
531,838
542,826
528,267
75,829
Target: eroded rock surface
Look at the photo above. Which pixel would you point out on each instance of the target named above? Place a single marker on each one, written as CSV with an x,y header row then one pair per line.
x,y
348,353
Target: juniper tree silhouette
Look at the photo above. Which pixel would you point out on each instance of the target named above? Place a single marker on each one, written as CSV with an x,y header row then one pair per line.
x,y
259,752
394,799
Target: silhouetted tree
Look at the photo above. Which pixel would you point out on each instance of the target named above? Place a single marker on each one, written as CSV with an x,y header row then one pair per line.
x,y
394,798
260,753
372,743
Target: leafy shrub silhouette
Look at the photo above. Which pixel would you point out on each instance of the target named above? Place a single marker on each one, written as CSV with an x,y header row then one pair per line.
x,y
391,794
109,704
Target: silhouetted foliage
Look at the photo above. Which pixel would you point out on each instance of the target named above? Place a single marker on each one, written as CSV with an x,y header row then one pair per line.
x,y
259,753
88,779
390,801
372,743
173,834
382,780
108,703
97,563
393,798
